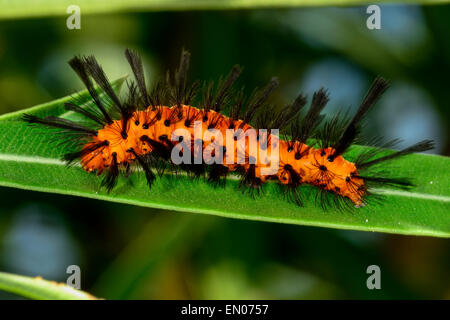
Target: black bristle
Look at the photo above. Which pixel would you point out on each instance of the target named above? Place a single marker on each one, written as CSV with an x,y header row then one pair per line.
x,y
178,92
159,93
377,144
181,78
215,120
378,87
267,118
217,175
192,93
288,113
224,88
175,116
292,194
79,66
110,180
207,96
97,73
331,131
59,123
395,182
250,181
70,106
258,99
142,161
295,179
236,108
302,132
135,61
133,97
421,146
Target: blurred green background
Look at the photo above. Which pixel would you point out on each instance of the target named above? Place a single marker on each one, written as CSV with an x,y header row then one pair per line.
x,y
129,252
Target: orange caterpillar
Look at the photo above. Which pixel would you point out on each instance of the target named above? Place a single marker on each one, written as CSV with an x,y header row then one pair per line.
x,y
155,125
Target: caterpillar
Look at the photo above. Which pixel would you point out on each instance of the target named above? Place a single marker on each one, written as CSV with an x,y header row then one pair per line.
x,y
153,129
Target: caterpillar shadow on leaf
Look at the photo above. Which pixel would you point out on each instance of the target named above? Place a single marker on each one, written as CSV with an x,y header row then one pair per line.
x,y
140,131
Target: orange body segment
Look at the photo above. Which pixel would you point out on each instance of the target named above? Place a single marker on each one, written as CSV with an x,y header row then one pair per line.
x,y
296,160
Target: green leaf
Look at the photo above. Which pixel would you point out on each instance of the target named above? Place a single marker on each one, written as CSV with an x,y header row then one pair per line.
x,y
30,161
40,289
34,8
